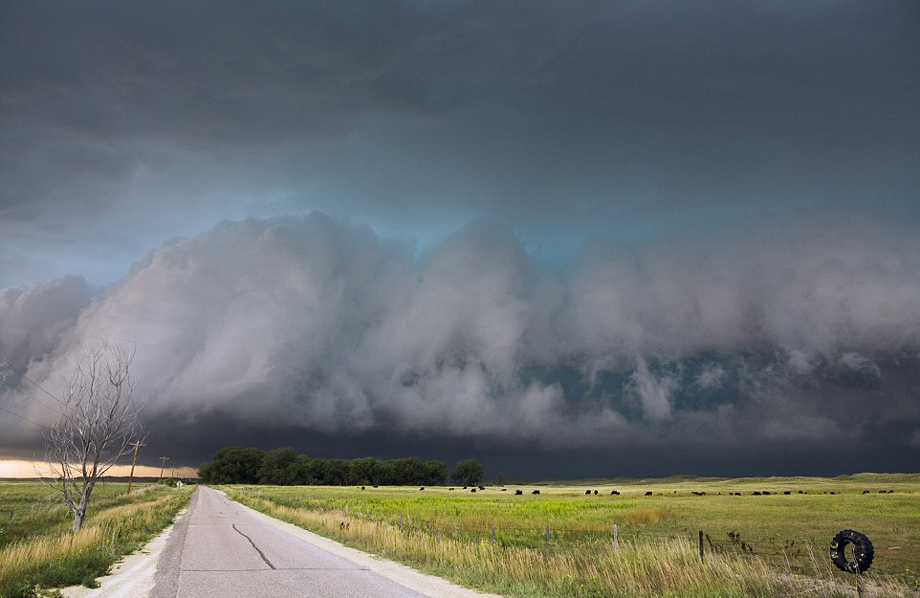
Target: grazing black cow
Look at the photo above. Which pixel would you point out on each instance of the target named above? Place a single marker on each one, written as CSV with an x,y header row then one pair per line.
x,y
422,488
450,488
375,486
535,492
518,492
765,493
865,492
464,487
786,492
614,492
833,493
755,493
362,487
472,490
648,493
802,492
587,492
482,487
504,489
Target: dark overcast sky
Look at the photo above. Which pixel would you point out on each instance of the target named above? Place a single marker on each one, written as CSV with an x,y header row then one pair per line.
x,y
671,231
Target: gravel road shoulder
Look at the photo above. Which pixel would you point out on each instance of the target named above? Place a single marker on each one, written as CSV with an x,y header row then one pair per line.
x,y
134,576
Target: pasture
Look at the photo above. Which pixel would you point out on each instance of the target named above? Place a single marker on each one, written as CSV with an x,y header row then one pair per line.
x,y
561,542
37,549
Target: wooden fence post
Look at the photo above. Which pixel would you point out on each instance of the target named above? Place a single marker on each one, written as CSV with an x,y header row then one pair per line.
x,y
701,545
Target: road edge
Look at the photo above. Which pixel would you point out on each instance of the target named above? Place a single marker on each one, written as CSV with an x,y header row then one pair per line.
x,y
166,576
423,583
135,574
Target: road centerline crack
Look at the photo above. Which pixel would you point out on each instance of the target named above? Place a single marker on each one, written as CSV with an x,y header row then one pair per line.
x,y
261,554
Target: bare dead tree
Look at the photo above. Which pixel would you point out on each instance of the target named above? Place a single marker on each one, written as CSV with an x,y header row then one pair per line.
x,y
98,427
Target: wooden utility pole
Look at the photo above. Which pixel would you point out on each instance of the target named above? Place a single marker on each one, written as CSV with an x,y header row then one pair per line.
x,y
163,461
133,461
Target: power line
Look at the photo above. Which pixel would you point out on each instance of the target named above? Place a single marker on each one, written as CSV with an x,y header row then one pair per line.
x,y
25,418
30,380
30,397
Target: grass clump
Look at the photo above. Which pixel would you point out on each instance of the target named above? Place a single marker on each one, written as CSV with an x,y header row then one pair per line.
x,y
496,541
45,554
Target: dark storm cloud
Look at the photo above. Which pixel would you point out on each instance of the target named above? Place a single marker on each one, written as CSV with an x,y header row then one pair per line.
x,y
128,123
706,241
789,335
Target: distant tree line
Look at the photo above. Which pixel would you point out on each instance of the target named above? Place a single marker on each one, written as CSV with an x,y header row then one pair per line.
x,y
285,467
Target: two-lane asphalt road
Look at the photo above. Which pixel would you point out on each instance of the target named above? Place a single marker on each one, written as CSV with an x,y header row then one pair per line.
x,y
223,550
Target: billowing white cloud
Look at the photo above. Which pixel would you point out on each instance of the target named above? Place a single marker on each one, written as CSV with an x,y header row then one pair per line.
x,y
653,392
711,376
303,321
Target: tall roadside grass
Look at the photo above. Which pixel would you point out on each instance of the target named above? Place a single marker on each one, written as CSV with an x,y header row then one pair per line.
x,y
58,558
666,568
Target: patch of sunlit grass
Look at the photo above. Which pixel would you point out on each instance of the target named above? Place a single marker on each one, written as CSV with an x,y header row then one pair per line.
x,y
566,568
53,556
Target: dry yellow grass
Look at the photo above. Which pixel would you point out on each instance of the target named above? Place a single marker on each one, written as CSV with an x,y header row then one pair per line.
x,y
661,569
646,515
46,549
57,556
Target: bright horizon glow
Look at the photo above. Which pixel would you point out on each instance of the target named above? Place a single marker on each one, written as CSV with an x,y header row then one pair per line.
x,y
19,468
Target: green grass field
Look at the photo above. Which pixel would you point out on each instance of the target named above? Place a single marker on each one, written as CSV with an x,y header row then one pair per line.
x,y
785,537
37,549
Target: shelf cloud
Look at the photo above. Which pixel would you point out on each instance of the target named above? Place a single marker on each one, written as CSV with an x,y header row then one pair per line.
x,y
788,333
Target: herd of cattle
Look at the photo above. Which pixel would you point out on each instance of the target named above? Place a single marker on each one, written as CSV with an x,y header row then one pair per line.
x,y
649,493
617,492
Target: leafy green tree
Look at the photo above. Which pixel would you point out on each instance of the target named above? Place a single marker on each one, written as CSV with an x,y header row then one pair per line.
x,y
387,473
334,472
233,465
436,473
467,472
408,471
307,470
279,467
284,467
365,471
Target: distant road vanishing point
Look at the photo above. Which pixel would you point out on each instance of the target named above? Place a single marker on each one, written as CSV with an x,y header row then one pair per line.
x,y
221,549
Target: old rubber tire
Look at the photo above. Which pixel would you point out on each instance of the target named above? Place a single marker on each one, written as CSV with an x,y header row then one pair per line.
x,y
862,551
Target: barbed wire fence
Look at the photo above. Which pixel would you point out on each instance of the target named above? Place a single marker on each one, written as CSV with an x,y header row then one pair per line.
x,y
794,555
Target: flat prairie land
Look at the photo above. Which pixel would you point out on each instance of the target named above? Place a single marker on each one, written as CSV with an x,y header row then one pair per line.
x,y
561,542
37,549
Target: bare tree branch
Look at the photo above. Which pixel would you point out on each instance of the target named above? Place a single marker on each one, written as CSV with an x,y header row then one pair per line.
x,y
99,424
